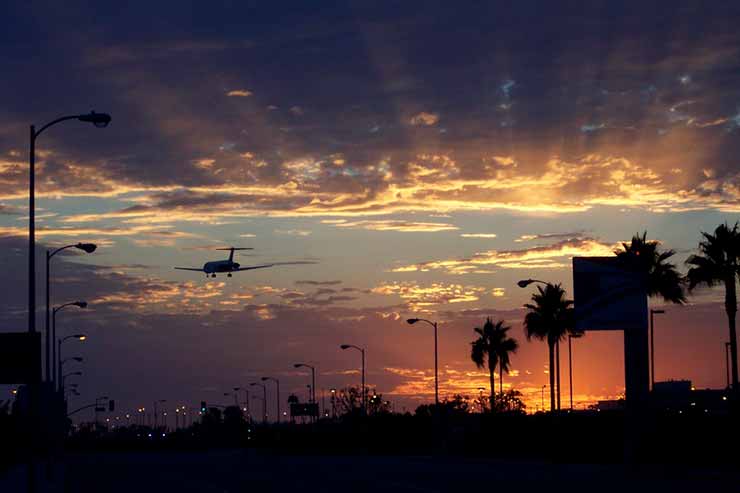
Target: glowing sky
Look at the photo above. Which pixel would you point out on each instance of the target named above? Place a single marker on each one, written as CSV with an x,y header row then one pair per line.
x,y
424,156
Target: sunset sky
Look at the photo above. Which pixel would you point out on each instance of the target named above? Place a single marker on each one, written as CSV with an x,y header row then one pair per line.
x,y
419,157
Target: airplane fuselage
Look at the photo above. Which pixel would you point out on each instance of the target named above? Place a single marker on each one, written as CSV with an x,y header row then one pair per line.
x,y
220,266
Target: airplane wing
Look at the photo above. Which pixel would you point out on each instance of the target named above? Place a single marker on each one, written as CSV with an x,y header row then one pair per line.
x,y
189,268
253,267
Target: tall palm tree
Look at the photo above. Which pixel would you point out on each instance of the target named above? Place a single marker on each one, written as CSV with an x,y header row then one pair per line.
x,y
550,317
504,348
663,279
493,347
719,263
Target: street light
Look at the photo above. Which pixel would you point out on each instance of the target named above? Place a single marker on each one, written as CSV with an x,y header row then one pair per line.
x,y
79,337
412,321
55,356
364,394
652,347
313,379
70,374
264,399
100,120
85,247
526,282
277,383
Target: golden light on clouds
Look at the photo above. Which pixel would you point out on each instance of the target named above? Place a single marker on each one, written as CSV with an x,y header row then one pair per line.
x,y
552,256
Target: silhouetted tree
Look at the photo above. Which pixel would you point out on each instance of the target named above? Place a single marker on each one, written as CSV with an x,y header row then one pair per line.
x,y
349,401
663,279
550,318
458,405
510,402
719,263
493,347
376,405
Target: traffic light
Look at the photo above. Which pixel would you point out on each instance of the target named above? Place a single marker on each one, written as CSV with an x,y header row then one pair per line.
x,y
203,407
111,405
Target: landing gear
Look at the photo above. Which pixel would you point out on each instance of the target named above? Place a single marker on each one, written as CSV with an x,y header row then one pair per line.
x,y
228,275
213,275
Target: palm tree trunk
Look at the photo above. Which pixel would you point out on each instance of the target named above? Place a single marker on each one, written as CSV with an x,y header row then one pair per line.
x,y
557,374
551,348
501,381
731,309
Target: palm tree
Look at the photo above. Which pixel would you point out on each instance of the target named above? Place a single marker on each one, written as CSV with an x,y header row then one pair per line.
x,y
505,347
494,346
550,318
663,279
719,263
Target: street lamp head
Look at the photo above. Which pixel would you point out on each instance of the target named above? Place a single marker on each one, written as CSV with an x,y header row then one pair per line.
x,y
412,321
264,379
658,311
237,389
80,304
77,359
345,346
298,365
100,120
80,337
86,247
524,283
253,384
78,373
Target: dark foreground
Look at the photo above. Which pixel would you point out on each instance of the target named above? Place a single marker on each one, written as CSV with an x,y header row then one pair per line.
x,y
236,471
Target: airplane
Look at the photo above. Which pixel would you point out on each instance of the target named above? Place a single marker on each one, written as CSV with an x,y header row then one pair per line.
x,y
224,266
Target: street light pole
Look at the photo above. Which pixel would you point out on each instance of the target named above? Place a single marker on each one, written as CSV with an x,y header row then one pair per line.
x,y
99,120
652,347
542,397
312,395
155,411
277,399
364,393
264,399
87,247
412,321
79,337
570,370
79,304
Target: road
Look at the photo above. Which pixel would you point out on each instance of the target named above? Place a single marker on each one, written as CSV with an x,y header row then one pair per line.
x,y
238,471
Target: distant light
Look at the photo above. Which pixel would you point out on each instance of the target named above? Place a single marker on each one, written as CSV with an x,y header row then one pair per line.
x,y
724,397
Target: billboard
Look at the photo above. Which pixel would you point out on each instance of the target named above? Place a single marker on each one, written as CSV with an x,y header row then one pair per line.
x,y
20,357
608,294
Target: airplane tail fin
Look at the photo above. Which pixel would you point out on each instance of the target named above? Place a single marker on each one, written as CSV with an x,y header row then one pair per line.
x,y
231,251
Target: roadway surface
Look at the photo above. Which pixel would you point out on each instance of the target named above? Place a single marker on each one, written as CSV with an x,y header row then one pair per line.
x,y
239,471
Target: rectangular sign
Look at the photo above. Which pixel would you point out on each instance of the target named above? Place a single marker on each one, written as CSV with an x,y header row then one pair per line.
x,y
20,357
608,295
